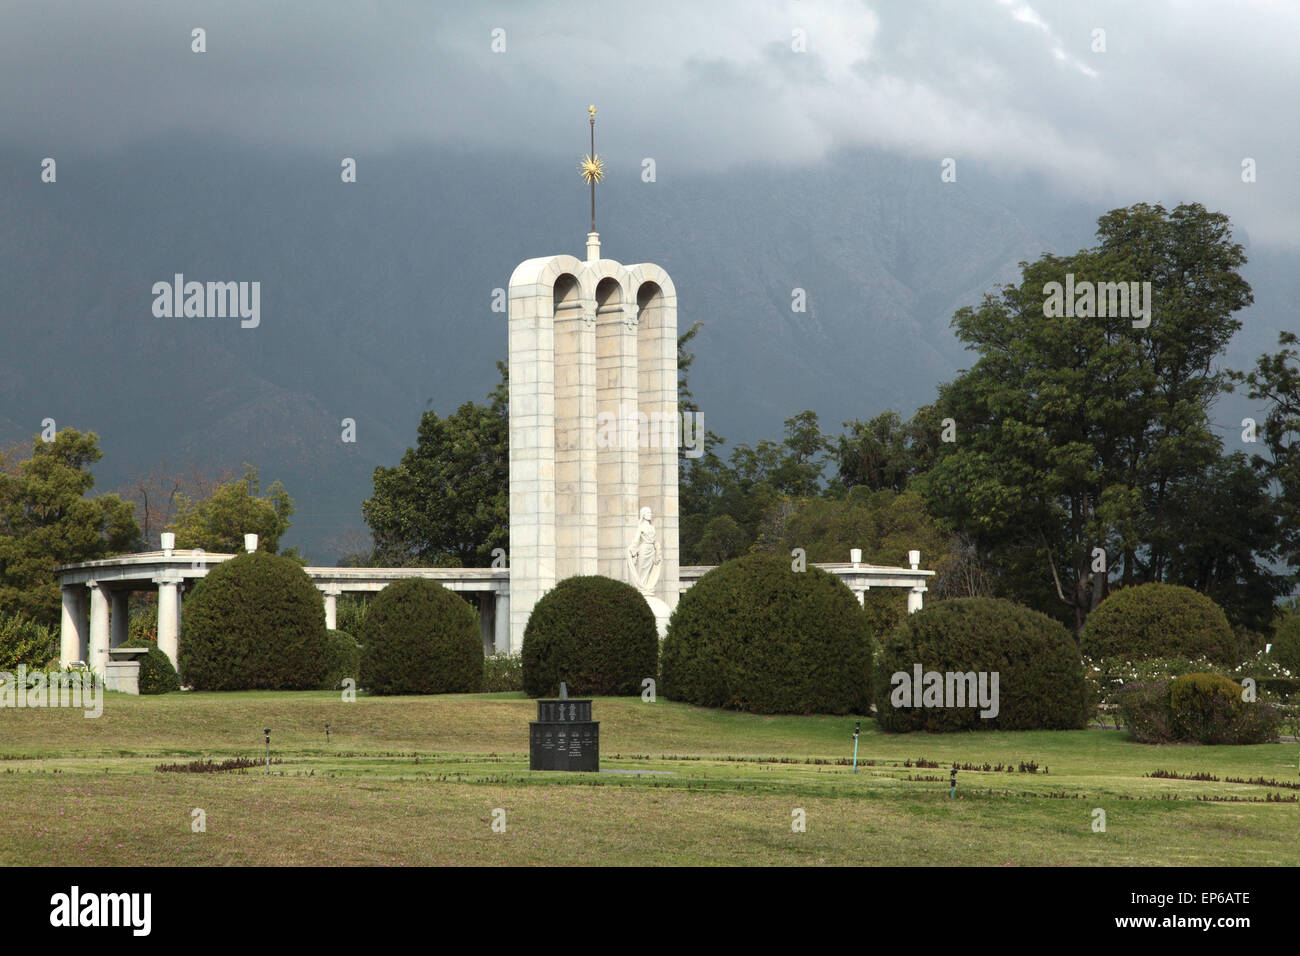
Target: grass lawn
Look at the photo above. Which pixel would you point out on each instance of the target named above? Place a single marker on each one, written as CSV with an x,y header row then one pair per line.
x,y
419,780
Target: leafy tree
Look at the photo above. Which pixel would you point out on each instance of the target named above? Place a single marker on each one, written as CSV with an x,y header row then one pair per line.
x,y
1227,537
154,494
26,643
747,486
46,520
685,399
721,540
884,524
236,508
1078,433
448,501
1276,379
885,453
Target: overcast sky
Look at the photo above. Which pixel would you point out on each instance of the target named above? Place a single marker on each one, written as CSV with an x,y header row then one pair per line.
x,y
1182,93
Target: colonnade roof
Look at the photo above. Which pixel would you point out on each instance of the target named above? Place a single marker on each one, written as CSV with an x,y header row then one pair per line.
x,y
142,570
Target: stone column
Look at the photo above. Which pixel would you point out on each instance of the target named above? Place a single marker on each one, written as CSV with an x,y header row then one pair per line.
x,y
180,607
331,609
656,363
120,619
915,599
538,288
616,467
501,625
169,606
97,660
575,437
486,625
72,634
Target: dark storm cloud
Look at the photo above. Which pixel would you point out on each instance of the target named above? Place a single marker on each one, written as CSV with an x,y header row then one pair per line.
x,y
1182,93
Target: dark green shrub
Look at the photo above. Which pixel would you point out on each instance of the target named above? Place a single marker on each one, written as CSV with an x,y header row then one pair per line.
x,y
1144,711
503,672
26,642
1196,708
157,676
342,659
594,633
421,638
1250,643
1286,644
1158,620
350,613
755,635
255,622
1040,675
1208,709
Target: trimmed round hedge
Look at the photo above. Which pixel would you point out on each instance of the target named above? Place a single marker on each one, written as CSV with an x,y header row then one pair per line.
x,y
1158,620
1209,709
755,635
256,622
1040,675
421,638
342,659
594,633
1286,644
1196,708
157,676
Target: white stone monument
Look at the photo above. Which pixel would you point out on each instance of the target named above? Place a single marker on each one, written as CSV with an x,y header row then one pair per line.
x,y
593,428
593,424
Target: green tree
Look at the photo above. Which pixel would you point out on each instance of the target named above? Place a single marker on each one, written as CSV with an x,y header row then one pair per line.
x,y
219,523
1078,432
1229,536
747,487
1276,379
685,399
447,503
46,520
885,453
886,525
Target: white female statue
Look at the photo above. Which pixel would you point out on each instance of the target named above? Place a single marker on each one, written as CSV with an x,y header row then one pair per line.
x,y
644,557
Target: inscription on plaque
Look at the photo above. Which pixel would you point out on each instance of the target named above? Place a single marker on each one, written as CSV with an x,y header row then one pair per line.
x,y
564,737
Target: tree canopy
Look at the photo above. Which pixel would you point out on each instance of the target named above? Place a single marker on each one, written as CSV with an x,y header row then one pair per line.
x,y
219,522
1084,432
46,519
447,503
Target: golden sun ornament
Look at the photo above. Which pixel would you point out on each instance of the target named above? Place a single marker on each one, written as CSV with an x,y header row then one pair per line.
x,y
592,169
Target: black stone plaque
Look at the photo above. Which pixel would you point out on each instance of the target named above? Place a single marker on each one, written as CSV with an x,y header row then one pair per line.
x,y
564,737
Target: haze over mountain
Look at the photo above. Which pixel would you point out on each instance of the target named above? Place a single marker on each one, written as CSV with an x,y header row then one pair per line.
x,y
776,169
376,298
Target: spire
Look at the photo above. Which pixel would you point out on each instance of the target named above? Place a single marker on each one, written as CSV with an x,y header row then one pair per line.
x,y
592,168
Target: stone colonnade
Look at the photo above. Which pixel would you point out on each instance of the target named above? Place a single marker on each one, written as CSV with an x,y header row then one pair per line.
x,y
96,595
